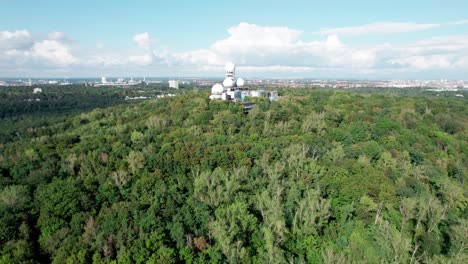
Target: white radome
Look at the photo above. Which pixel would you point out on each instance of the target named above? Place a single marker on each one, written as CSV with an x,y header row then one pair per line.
x,y
240,82
228,83
217,89
229,67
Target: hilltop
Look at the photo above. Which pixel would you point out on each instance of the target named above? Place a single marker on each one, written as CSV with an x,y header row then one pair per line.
x,y
317,176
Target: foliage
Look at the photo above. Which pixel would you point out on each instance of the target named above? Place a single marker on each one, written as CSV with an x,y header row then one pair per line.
x,y
317,176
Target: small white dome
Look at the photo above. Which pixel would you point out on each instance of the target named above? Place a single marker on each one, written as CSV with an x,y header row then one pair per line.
x,y
228,83
230,67
240,82
217,89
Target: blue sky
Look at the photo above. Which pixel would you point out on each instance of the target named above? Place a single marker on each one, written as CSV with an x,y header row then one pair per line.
x,y
346,39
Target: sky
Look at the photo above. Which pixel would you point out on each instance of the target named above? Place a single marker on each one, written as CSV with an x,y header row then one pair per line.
x,y
294,38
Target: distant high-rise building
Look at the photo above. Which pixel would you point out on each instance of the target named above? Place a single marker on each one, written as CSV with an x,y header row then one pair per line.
x,y
173,84
103,80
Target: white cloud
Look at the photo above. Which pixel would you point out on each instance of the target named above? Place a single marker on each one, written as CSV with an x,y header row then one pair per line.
x,y
18,39
20,48
256,49
424,62
104,58
462,62
449,52
103,61
379,28
195,58
255,45
59,36
246,36
54,52
275,68
141,60
143,40
459,22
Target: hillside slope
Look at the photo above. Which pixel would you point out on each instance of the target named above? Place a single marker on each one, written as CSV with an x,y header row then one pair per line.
x,y
318,177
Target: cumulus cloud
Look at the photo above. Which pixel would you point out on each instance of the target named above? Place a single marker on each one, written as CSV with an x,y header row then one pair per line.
x,y
450,52
255,48
379,28
104,58
255,45
195,58
19,39
143,40
141,60
244,37
259,46
54,52
424,62
59,36
20,47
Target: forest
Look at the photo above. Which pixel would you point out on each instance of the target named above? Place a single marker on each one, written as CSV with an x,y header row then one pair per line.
x,y
21,110
318,176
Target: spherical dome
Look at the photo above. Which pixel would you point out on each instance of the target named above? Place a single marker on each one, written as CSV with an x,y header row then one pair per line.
x,y
228,83
240,82
230,67
217,89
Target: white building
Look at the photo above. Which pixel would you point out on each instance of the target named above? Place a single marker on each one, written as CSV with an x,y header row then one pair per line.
x,y
217,91
37,90
173,84
229,90
235,89
103,80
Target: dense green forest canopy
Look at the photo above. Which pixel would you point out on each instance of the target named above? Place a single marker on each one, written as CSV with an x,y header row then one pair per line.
x,y
317,177
22,111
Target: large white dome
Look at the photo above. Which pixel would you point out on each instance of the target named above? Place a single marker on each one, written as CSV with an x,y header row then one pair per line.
x,y
217,89
230,67
228,83
240,82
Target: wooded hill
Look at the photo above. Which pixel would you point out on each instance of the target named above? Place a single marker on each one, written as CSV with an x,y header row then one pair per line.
x,y
315,177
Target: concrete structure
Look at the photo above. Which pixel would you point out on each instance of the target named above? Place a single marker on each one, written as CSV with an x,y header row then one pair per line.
x,y
173,84
240,82
228,83
217,91
37,90
119,82
229,90
235,90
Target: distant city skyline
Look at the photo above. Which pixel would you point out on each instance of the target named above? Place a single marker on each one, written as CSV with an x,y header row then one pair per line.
x,y
339,39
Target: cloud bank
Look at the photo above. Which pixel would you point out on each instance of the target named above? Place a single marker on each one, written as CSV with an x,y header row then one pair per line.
x,y
256,49
19,48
